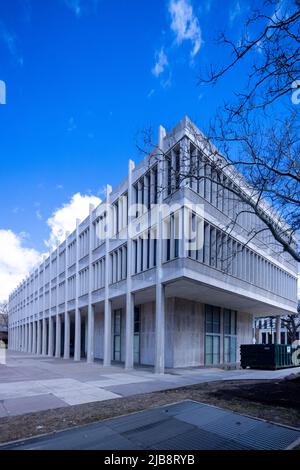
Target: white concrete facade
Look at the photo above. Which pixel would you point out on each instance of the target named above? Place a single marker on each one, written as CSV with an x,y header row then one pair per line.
x,y
139,300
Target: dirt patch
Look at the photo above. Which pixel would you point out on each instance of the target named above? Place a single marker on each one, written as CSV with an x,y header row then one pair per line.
x,y
283,393
226,394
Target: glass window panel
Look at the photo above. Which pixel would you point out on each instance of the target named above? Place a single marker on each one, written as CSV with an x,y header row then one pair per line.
x,y
232,349
216,349
208,350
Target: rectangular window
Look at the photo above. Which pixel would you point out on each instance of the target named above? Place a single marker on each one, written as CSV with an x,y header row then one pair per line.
x,y
117,335
212,335
230,332
137,329
135,255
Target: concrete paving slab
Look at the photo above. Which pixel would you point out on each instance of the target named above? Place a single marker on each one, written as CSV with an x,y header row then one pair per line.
x,y
16,406
126,390
3,411
26,376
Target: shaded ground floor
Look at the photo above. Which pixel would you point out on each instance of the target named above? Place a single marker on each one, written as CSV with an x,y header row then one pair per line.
x,y
189,334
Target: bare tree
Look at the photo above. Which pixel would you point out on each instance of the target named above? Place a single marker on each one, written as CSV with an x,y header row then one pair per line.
x,y
292,324
4,314
258,131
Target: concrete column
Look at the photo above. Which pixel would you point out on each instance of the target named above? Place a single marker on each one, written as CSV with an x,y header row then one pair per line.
x,y
160,329
29,349
67,336
278,330
58,337
34,337
44,337
107,302
91,310
50,337
77,346
24,337
90,333
129,296
107,333
39,337
160,289
129,330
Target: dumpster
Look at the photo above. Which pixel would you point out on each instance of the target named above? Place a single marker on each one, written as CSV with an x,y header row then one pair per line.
x,y
266,356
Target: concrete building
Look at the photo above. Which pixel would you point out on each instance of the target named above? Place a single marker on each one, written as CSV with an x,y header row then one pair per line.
x,y
147,299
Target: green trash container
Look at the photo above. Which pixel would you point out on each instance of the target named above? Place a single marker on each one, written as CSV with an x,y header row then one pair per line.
x,y
266,356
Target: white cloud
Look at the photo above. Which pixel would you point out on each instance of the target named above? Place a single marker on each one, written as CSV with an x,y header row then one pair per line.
x,y
161,62
72,126
9,39
151,93
185,24
75,6
79,7
64,218
38,214
16,261
235,12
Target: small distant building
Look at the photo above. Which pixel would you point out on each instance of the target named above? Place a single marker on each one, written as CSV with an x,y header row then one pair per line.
x,y
3,332
266,331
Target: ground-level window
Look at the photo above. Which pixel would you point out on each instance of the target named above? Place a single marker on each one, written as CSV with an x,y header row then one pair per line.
x,y
212,334
264,338
117,335
137,329
230,331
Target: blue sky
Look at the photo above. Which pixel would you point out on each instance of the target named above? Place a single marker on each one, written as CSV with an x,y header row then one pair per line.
x,y
83,78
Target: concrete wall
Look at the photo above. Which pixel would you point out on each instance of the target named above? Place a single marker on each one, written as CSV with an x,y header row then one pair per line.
x,y
147,334
185,333
188,333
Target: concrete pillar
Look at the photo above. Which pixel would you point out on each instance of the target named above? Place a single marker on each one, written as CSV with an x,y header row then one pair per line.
x,y
160,289
77,346
34,337
50,337
44,337
160,329
29,349
278,328
129,330
58,337
90,333
24,337
39,338
129,296
67,336
107,333
107,302
90,320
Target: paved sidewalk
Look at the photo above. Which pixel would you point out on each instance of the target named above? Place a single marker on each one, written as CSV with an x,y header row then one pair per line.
x,y
186,425
29,383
